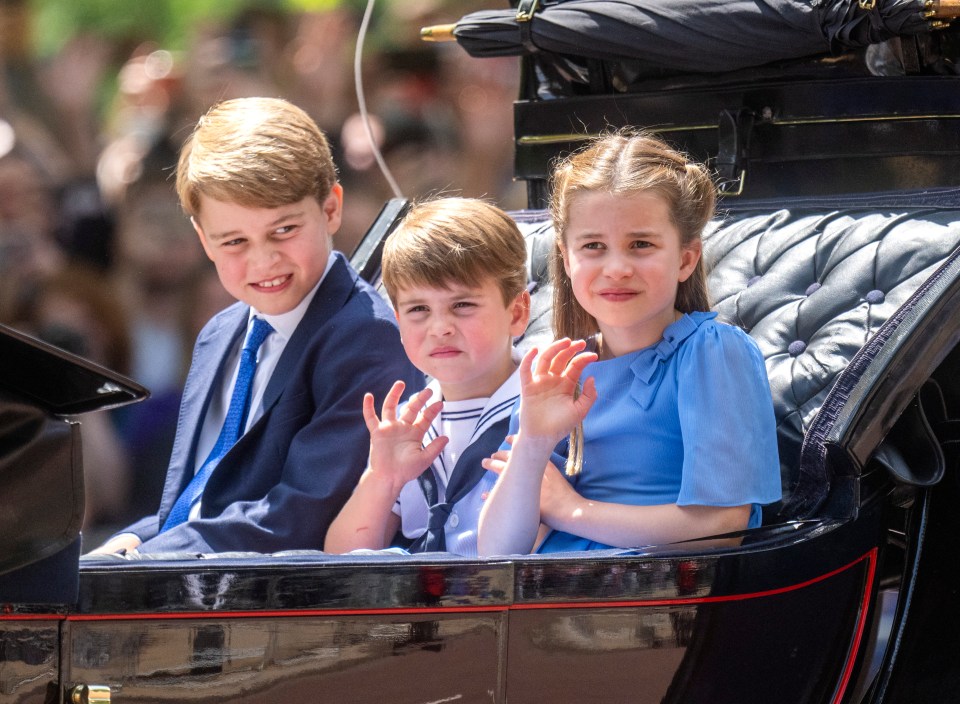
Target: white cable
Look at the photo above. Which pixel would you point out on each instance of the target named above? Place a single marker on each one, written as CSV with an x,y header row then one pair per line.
x,y
361,101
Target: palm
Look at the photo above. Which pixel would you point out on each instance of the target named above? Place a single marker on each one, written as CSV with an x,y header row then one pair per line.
x,y
550,404
396,440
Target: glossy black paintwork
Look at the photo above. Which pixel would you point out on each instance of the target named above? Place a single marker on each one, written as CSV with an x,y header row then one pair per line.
x,y
639,628
818,137
270,584
356,659
29,660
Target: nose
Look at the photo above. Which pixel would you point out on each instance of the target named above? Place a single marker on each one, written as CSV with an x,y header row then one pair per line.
x,y
615,266
264,256
441,324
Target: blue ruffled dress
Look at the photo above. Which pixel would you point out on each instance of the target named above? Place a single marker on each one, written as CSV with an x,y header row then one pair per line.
x,y
688,420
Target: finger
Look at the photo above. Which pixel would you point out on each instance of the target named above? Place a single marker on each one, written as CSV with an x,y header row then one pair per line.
x,y
502,455
576,365
510,439
428,415
432,450
493,465
370,414
563,358
588,394
526,367
545,360
415,405
389,408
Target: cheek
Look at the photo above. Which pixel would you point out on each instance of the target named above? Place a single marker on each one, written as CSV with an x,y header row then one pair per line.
x,y
579,273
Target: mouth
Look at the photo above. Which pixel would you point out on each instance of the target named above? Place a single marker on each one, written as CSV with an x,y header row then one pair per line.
x,y
444,352
272,285
617,294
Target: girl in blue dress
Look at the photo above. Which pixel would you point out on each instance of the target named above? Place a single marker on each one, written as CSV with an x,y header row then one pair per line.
x,y
671,435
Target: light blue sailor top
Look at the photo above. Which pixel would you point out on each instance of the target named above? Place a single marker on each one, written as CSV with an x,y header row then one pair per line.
x,y
688,420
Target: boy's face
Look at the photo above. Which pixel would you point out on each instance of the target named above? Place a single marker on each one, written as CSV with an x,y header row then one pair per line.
x,y
462,336
269,258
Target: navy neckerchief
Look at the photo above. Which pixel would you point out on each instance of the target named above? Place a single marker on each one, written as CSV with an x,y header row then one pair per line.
x,y
465,475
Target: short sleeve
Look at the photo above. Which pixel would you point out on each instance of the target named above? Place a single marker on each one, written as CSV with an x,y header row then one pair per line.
x,y
730,455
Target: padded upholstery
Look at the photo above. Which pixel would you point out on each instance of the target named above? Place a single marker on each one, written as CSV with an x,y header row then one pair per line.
x,y
810,282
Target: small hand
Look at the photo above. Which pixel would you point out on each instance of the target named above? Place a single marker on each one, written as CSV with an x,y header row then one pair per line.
x,y
556,493
549,405
123,543
396,442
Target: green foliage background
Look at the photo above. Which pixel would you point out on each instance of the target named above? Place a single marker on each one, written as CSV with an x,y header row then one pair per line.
x,y
167,22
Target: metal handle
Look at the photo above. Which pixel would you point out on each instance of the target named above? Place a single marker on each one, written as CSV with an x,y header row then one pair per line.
x,y
943,9
89,694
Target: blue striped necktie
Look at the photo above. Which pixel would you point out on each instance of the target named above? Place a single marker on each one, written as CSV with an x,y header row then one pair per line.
x,y
233,424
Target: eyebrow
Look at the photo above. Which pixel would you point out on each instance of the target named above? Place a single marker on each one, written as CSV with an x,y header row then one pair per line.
x,y
218,236
470,293
591,235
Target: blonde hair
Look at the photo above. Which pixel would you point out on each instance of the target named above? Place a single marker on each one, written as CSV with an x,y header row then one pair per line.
x,y
624,163
462,240
255,152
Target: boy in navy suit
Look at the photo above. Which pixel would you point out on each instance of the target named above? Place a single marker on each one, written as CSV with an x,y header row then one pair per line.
x,y
270,439
456,272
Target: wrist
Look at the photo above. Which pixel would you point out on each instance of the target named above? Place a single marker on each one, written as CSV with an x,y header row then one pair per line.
x,y
560,512
386,484
536,442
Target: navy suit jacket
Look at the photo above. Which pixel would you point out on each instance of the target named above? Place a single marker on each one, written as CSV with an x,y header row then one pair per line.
x,y
287,477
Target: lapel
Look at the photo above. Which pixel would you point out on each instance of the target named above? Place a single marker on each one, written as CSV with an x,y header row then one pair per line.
x,y
206,368
333,293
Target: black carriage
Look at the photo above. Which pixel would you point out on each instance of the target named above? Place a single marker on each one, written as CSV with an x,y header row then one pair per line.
x,y
835,247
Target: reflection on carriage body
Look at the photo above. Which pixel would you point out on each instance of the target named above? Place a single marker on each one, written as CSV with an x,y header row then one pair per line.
x,y
835,247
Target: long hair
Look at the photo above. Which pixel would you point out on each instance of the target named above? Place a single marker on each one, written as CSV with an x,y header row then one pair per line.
x,y
625,163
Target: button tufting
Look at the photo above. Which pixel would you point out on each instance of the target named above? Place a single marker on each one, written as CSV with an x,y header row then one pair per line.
x,y
813,288
875,297
796,348
753,280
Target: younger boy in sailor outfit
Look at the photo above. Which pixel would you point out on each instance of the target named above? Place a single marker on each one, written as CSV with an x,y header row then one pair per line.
x,y
455,270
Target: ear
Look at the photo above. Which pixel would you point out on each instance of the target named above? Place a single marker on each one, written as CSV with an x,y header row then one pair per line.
x,y
565,256
333,208
689,256
520,314
203,239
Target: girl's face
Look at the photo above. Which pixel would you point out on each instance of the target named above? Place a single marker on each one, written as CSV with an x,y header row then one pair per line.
x,y
625,260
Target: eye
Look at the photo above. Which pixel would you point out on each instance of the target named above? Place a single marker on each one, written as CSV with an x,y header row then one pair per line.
x,y
593,245
464,305
285,230
236,242
416,309
640,244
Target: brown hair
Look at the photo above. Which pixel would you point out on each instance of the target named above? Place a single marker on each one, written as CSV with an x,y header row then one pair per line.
x,y
255,152
625,163
460,240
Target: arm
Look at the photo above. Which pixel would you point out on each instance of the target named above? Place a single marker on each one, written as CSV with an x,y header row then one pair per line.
x,y
626,526
300,463
510,517
397,456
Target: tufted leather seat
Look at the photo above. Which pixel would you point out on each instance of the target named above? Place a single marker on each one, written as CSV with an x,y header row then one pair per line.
x,y
811,282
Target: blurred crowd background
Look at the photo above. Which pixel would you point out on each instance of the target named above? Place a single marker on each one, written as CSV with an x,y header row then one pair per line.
x,y
96,97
